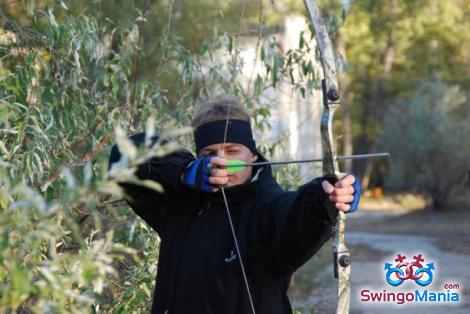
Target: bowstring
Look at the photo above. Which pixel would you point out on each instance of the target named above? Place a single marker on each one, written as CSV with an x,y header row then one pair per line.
x,y
227,209
230,222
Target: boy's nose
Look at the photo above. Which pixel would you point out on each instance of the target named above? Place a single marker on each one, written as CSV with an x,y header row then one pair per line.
x,y
220,152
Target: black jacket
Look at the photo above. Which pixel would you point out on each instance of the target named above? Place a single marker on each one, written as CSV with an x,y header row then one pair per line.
x,y
198,270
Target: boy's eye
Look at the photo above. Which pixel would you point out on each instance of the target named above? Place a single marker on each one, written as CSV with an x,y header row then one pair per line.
x,y
207,153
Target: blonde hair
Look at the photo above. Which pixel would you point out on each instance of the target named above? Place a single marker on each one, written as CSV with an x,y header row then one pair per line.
x,y
218,110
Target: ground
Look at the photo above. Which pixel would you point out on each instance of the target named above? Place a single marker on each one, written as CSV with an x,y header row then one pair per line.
x,y
375,235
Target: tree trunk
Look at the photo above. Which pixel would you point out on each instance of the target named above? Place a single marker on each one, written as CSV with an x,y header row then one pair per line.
x,y
345,105
379,96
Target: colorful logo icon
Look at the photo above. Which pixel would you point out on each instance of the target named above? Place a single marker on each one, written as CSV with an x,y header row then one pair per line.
x,y
413,270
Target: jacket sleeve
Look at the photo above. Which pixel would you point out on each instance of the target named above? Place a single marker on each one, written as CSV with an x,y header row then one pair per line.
x,y
150,205
295,225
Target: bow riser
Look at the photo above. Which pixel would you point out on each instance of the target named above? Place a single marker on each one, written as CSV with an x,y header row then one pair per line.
x,y
331,101
341,256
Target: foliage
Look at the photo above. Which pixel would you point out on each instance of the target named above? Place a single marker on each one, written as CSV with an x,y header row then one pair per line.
x,y
47,265
391,46
427,135
65,239
69,85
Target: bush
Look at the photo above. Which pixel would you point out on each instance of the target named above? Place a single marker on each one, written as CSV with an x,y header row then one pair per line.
x,y
428,136
65,237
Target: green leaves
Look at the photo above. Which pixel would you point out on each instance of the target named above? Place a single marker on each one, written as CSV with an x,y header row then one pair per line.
x,y
60,99
427,135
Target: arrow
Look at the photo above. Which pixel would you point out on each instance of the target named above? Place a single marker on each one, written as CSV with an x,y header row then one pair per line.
x,y
238,165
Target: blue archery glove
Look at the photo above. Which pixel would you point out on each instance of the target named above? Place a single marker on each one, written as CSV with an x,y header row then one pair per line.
x,y
197,174
357,195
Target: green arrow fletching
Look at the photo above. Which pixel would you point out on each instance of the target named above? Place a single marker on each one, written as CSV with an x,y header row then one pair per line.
x,y
234,165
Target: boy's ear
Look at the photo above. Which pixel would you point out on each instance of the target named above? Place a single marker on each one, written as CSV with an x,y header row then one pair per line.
x,y
254,157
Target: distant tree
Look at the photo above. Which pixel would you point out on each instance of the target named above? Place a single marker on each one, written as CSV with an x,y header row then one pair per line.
x,y
428,135
390,47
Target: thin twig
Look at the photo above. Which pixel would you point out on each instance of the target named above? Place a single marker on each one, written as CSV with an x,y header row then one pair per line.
x,y
258,41
237,50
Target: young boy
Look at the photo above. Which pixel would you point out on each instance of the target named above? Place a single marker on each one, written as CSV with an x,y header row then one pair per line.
x,y
277,231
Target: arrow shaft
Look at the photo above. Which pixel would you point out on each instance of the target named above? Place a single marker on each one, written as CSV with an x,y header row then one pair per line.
x,y
299,161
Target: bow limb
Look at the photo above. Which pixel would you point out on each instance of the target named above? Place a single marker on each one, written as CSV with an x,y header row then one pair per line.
x,y
331,101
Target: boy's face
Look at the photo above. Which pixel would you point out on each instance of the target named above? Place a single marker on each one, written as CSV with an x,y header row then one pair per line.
x,y
232,151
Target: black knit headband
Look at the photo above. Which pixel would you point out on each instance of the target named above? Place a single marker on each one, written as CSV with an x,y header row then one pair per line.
x,y
238,131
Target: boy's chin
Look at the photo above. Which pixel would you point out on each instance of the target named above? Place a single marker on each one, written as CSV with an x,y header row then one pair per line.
x,y
234,183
